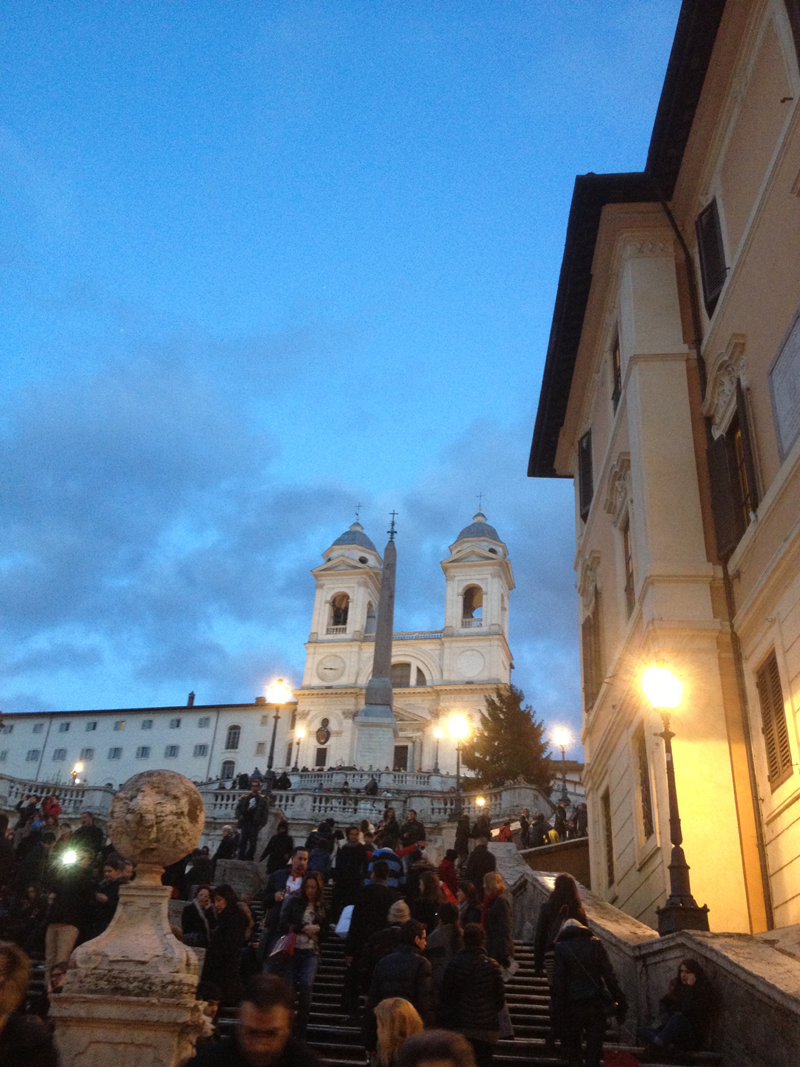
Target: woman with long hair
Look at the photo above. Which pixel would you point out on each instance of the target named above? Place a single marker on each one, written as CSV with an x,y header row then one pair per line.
x,y
199,918
444,942
688,1007
564,903
469,907
426,904
397,1020
496,919
303,914
223,956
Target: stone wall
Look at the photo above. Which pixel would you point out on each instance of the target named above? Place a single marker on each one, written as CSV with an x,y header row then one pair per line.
x,y
756,978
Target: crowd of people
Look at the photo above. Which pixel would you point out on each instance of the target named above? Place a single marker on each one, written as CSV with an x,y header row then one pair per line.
x,y
428,947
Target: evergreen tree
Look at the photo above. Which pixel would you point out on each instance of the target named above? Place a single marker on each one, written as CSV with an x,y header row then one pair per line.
x,y
509,743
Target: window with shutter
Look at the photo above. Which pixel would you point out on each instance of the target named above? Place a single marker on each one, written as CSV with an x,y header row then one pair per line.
x,y
585,474
713,270
616,370
630,592
608,833
732,476
645,794
591,648
773,722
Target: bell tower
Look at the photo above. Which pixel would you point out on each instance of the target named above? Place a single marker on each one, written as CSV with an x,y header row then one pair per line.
x,y
478,582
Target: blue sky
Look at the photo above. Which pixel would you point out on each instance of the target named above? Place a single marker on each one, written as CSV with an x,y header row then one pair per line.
x,y
263,261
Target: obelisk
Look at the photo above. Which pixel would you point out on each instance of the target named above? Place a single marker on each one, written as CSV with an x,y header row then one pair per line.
x,y
376,726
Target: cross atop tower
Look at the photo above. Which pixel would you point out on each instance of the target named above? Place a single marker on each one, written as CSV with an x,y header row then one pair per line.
x,y
358,511
392,530
480,501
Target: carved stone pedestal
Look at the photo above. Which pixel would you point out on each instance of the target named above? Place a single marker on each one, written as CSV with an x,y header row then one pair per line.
x,y
129,996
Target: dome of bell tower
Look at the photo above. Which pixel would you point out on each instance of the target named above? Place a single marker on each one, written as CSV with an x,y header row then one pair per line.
x,y
355,536
479,527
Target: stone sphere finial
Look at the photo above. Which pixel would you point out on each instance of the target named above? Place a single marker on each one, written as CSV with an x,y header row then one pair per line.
x,y
156,818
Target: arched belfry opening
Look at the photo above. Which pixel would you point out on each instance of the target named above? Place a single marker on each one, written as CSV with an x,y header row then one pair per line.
x,y
472,606
372,619
340,608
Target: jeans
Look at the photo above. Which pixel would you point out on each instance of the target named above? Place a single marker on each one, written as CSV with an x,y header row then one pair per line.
x,y
247,841
677,1031
588,1016
301,970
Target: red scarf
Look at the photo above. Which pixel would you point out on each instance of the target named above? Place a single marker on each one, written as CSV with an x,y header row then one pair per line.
x,y
487,903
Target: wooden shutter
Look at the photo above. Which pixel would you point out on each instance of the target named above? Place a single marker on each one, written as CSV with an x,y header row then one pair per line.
x,y
747,445
728,524
591,648
773,720
712,254
585,474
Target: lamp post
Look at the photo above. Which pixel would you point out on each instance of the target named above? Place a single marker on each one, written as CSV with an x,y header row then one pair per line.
x,y
437,733
459,731
681,911
299,734
562,737
278,693
76,770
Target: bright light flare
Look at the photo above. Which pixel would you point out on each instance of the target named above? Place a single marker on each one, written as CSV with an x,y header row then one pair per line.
x,y
78,768
437,733
662,688
562,737
480,801
299,733
278,692
459,727
69,858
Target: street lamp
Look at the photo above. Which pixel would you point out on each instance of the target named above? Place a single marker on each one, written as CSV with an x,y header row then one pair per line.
x,y
299,734
76,770
278,693
459,731
562,737
480,801
437,733
680,912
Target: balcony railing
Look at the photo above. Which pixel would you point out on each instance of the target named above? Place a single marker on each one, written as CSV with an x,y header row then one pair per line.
x,y
467,623
336,630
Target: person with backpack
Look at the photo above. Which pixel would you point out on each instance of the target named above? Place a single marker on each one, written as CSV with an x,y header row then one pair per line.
x,y
564,903
472,995
403,973
585,990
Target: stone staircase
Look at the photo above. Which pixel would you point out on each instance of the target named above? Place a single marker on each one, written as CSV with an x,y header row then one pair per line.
x,y
527,997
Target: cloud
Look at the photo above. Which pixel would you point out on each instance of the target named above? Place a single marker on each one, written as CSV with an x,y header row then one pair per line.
x,y
150,546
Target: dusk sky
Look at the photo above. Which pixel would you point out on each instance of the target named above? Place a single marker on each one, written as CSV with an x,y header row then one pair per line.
x,y
265,261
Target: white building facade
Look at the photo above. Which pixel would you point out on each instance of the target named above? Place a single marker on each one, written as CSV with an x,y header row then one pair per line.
x,y
435,674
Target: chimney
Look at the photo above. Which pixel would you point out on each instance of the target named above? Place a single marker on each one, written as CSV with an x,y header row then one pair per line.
x,y
190,701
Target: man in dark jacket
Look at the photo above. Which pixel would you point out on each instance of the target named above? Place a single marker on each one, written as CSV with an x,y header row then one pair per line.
x,y
472,994
480,862
584,987
69,912
382,942
227,846
370,914
403,973
537,833
348,874
263,1035
412,832
280,885
89,836
251,814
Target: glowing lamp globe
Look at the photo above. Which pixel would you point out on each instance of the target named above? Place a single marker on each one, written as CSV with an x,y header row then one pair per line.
x,y
437,733
459,727
279,693
300,733
481,802
562,737
662,688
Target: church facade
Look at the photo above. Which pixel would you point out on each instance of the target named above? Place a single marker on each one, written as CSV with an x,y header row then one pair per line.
x,y
435,674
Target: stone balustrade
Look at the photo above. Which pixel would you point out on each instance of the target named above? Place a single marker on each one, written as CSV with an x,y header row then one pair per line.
x,y
73,798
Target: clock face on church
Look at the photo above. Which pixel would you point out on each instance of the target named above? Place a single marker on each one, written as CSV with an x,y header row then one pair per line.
x,y
330,668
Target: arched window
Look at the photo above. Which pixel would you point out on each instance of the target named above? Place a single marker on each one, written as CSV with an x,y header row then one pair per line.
x,y
340,605
228,769
372,619
401,675
232,739
472,611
